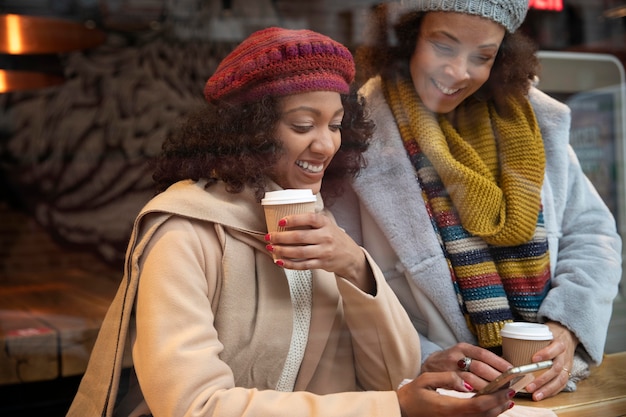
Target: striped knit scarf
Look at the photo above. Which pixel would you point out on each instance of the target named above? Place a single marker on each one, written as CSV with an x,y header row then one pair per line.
x,y
483,192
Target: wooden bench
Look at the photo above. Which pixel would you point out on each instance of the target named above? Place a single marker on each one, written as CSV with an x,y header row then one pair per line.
x,y
49,323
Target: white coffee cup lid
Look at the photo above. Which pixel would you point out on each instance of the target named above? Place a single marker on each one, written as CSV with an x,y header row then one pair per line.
x,y
527,331
289,196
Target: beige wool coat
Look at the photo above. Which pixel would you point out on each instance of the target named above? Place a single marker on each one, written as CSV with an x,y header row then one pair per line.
x,y
209,318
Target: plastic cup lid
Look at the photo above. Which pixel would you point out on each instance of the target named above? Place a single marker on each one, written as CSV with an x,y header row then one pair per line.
x,y
527,331
290,196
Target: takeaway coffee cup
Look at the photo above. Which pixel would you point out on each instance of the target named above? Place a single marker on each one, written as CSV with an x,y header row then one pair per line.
x,y
521,340
278,204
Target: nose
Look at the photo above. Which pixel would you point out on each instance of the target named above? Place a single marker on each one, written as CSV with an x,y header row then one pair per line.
x,y
326,142
457,68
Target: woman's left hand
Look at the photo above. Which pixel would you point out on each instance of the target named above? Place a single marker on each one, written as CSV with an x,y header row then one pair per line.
x,y
561,352
314,241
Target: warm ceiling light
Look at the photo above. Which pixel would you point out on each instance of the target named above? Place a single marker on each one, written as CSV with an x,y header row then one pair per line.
x,y
41,35
24,36
13,35
26,80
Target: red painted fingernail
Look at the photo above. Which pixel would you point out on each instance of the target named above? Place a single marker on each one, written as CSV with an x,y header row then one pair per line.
x,y
269,248
267,237
279,262
468,386
511,393
511,404
282,222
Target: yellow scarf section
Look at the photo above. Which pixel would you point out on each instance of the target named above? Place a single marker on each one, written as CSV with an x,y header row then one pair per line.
x,y
492,167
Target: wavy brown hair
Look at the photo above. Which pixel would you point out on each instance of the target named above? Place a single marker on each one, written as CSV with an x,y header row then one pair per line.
x,y
516,63
237,145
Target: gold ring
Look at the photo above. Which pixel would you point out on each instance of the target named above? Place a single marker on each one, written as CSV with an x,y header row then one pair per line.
x,y
569,374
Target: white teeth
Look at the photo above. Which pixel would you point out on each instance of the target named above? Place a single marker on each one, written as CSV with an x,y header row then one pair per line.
x,y
310,167
448,91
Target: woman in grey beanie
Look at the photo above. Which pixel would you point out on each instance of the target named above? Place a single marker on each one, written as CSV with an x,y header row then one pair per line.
x,y
472,202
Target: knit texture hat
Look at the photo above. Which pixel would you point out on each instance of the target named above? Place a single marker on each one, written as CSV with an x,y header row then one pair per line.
x,y
509,13
280,62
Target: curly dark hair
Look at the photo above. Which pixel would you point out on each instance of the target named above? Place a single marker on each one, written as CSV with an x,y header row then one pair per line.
x,y
514,67
237,145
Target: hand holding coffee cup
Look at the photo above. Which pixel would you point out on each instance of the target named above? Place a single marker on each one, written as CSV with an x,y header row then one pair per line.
x,y
521,340
278,204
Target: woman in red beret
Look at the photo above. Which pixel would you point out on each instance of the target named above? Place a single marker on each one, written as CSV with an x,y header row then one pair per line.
x,y
225,319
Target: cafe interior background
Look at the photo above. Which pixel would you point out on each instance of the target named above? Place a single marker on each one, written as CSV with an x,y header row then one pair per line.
x,y
90,88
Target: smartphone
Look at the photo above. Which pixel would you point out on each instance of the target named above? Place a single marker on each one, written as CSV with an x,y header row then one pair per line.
x,y
520,376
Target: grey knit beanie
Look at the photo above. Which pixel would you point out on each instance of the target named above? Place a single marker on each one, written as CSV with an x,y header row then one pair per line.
x,y
508,13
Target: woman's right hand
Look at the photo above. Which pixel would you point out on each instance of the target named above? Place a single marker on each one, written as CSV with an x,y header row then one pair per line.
x,y
485,365
420,398
314,241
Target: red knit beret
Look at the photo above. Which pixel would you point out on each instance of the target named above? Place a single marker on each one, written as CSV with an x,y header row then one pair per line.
x,y
279,62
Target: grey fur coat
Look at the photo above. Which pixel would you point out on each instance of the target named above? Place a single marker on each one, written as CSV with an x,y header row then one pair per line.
x,y
384,211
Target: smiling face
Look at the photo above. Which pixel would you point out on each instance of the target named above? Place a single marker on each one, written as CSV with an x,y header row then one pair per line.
x,y
310,131
453,57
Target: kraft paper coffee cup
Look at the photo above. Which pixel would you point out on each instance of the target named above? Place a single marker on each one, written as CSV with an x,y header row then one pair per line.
x,y
521,340
278,204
